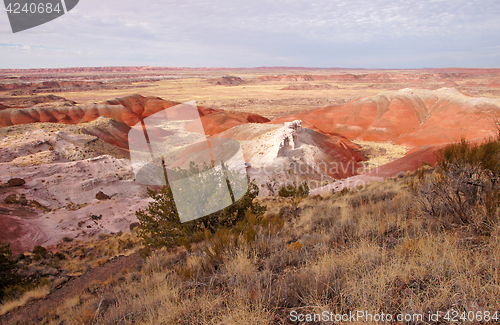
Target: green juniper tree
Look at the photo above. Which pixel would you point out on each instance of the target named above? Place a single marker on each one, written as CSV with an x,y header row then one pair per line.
x,y
8,275
160,222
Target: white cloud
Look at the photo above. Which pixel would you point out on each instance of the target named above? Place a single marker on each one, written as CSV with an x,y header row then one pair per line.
x,y
279,32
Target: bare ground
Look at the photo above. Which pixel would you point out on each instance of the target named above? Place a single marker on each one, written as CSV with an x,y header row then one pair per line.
x,y
33,312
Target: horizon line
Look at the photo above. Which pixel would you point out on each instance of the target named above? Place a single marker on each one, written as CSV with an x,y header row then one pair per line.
x,y
152,68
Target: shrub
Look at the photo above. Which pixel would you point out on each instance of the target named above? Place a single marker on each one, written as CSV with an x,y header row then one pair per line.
x,y
134,225
37,293
294,190
39,250
464,190
161,225
8,275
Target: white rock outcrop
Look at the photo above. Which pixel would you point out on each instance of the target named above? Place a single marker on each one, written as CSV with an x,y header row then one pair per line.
x,y
289,138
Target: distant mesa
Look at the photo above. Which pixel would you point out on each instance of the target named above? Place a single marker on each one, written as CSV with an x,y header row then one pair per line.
x,y
102,69
347,77
308,86
30,101
297,78
291,78
431,78
343,77
227,81
30,88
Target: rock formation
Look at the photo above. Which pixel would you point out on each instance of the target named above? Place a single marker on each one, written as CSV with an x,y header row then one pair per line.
x,y
289,137
276,154
407,117
13,182
128,110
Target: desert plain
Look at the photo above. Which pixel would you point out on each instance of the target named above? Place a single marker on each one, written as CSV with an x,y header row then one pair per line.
x,y
65,164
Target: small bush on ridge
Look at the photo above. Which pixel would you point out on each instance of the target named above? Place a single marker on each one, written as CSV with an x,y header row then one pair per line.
x,y
294,190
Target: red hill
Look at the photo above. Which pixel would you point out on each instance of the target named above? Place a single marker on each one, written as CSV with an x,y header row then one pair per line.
x,y
407,117
127,111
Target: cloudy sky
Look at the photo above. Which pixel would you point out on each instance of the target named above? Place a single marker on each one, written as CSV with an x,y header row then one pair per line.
x,y
235,33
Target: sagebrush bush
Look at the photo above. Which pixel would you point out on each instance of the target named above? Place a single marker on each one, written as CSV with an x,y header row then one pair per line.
x,y
294,190
464,189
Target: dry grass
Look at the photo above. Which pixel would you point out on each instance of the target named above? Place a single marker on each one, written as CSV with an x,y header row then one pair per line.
x,y
37,293
368,250
48,271
85,255
379,153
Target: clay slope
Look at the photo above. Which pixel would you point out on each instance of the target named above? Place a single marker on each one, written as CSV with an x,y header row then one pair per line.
x,y
126,112
407,117
223,120
277,154
109,130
